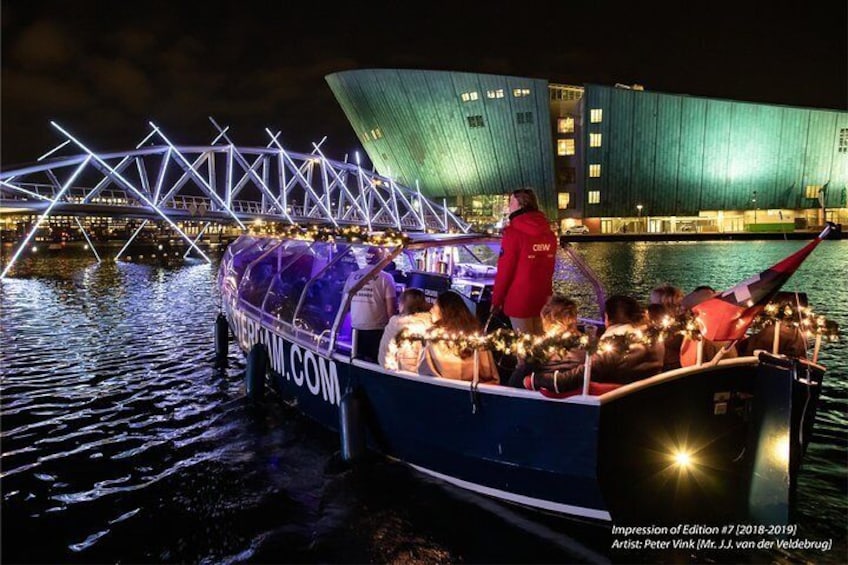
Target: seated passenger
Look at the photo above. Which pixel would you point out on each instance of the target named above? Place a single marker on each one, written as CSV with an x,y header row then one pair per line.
x,y
792,342
622,315
371,306
439,359
665,301
415,316
559,316
689,348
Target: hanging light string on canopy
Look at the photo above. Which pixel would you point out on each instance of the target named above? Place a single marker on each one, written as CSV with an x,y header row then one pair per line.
x,y
351,234
557,343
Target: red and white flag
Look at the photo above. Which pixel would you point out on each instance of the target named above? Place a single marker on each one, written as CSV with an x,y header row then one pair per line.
x,y
727,315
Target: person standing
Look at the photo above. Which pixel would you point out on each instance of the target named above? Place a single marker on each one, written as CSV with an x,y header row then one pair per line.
x,y
372,305
524,281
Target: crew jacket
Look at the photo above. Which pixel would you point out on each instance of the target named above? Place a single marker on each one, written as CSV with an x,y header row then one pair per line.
x,y
524,281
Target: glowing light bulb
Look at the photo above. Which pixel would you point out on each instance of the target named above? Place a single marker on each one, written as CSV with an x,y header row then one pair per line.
x,y
682,459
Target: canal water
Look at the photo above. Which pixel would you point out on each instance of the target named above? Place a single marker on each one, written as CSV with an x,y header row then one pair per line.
x,y
120,443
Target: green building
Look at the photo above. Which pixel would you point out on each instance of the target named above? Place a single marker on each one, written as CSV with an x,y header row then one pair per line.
x,y
613,158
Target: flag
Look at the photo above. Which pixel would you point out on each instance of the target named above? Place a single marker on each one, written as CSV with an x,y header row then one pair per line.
x,y
727,316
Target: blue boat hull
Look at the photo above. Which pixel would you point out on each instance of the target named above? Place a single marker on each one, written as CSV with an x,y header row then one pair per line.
x,y
602,458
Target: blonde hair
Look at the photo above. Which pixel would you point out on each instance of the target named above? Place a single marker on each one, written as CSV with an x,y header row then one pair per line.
x,y
667,296
559,311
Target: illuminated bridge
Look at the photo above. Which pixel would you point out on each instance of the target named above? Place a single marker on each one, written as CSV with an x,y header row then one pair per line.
x,y
220,182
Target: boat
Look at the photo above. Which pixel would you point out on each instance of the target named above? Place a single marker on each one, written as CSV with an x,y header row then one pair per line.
x,y
704,444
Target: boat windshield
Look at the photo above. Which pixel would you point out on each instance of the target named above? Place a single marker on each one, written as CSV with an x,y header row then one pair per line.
x,y
575,279
297,286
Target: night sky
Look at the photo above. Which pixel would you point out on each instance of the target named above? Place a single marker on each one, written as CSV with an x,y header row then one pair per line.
x,y
104,68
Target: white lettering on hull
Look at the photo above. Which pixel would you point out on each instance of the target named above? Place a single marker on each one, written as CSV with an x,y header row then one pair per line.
x,y
303,366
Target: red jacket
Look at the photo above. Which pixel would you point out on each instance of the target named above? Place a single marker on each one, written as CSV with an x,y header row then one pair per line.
x,y
526,266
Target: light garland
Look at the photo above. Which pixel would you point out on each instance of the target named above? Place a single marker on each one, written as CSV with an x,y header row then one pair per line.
x,y
351,234
803,318
558,343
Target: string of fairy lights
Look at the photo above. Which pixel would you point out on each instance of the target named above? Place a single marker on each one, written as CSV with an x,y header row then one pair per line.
x,y
350,234
557,343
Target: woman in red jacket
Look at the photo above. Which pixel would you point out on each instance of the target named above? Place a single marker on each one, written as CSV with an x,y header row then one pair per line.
x,y
526,266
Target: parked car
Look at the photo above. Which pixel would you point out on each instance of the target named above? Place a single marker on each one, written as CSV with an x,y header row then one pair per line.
x,y
576,230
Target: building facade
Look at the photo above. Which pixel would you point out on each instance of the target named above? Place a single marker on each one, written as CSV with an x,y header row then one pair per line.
x,y
613,158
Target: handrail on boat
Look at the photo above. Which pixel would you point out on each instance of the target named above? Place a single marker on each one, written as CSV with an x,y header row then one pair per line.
x,y
600,293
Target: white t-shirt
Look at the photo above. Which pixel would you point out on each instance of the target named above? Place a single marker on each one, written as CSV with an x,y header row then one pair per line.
x,y
368,306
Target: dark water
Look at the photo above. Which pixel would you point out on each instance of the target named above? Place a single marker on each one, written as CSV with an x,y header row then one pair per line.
x,y
120,443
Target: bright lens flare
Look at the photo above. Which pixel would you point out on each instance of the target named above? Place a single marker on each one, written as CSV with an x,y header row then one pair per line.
x,y
683,459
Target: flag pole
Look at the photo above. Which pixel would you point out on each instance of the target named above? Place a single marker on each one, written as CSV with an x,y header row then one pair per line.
x,y
816,348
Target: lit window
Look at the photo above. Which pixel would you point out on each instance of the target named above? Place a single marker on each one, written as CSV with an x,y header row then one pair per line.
x,y
565,147
565,125
475,121
594,140
376,133
812,190
843,140
520,92
594,197
563,200
495,93
594,171
469,96
596,115
524,117
365,136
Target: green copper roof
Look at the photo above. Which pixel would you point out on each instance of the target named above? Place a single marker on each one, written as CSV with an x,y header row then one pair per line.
x,y
427,132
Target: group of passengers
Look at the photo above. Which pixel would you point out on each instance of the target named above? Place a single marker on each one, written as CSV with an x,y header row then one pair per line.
x,y
523,292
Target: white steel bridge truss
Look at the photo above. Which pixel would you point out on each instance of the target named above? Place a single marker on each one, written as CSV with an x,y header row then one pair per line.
x,y
221,181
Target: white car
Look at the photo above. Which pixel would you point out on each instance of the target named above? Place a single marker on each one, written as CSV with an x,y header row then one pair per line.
x,y
576,230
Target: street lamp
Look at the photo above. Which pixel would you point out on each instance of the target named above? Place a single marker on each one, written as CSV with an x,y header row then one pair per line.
x,y
639,210
754,202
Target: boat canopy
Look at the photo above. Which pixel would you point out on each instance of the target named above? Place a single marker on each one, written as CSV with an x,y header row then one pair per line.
x,y
297,286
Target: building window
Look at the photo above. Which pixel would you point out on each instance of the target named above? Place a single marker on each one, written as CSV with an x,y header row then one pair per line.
x,y
569,175
565,147
563,200
524,117
594,140
475,121
469,96
499,93
596,115
812,191
594,171
520,92
376,133
843,140
365,137
594,197
565,125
